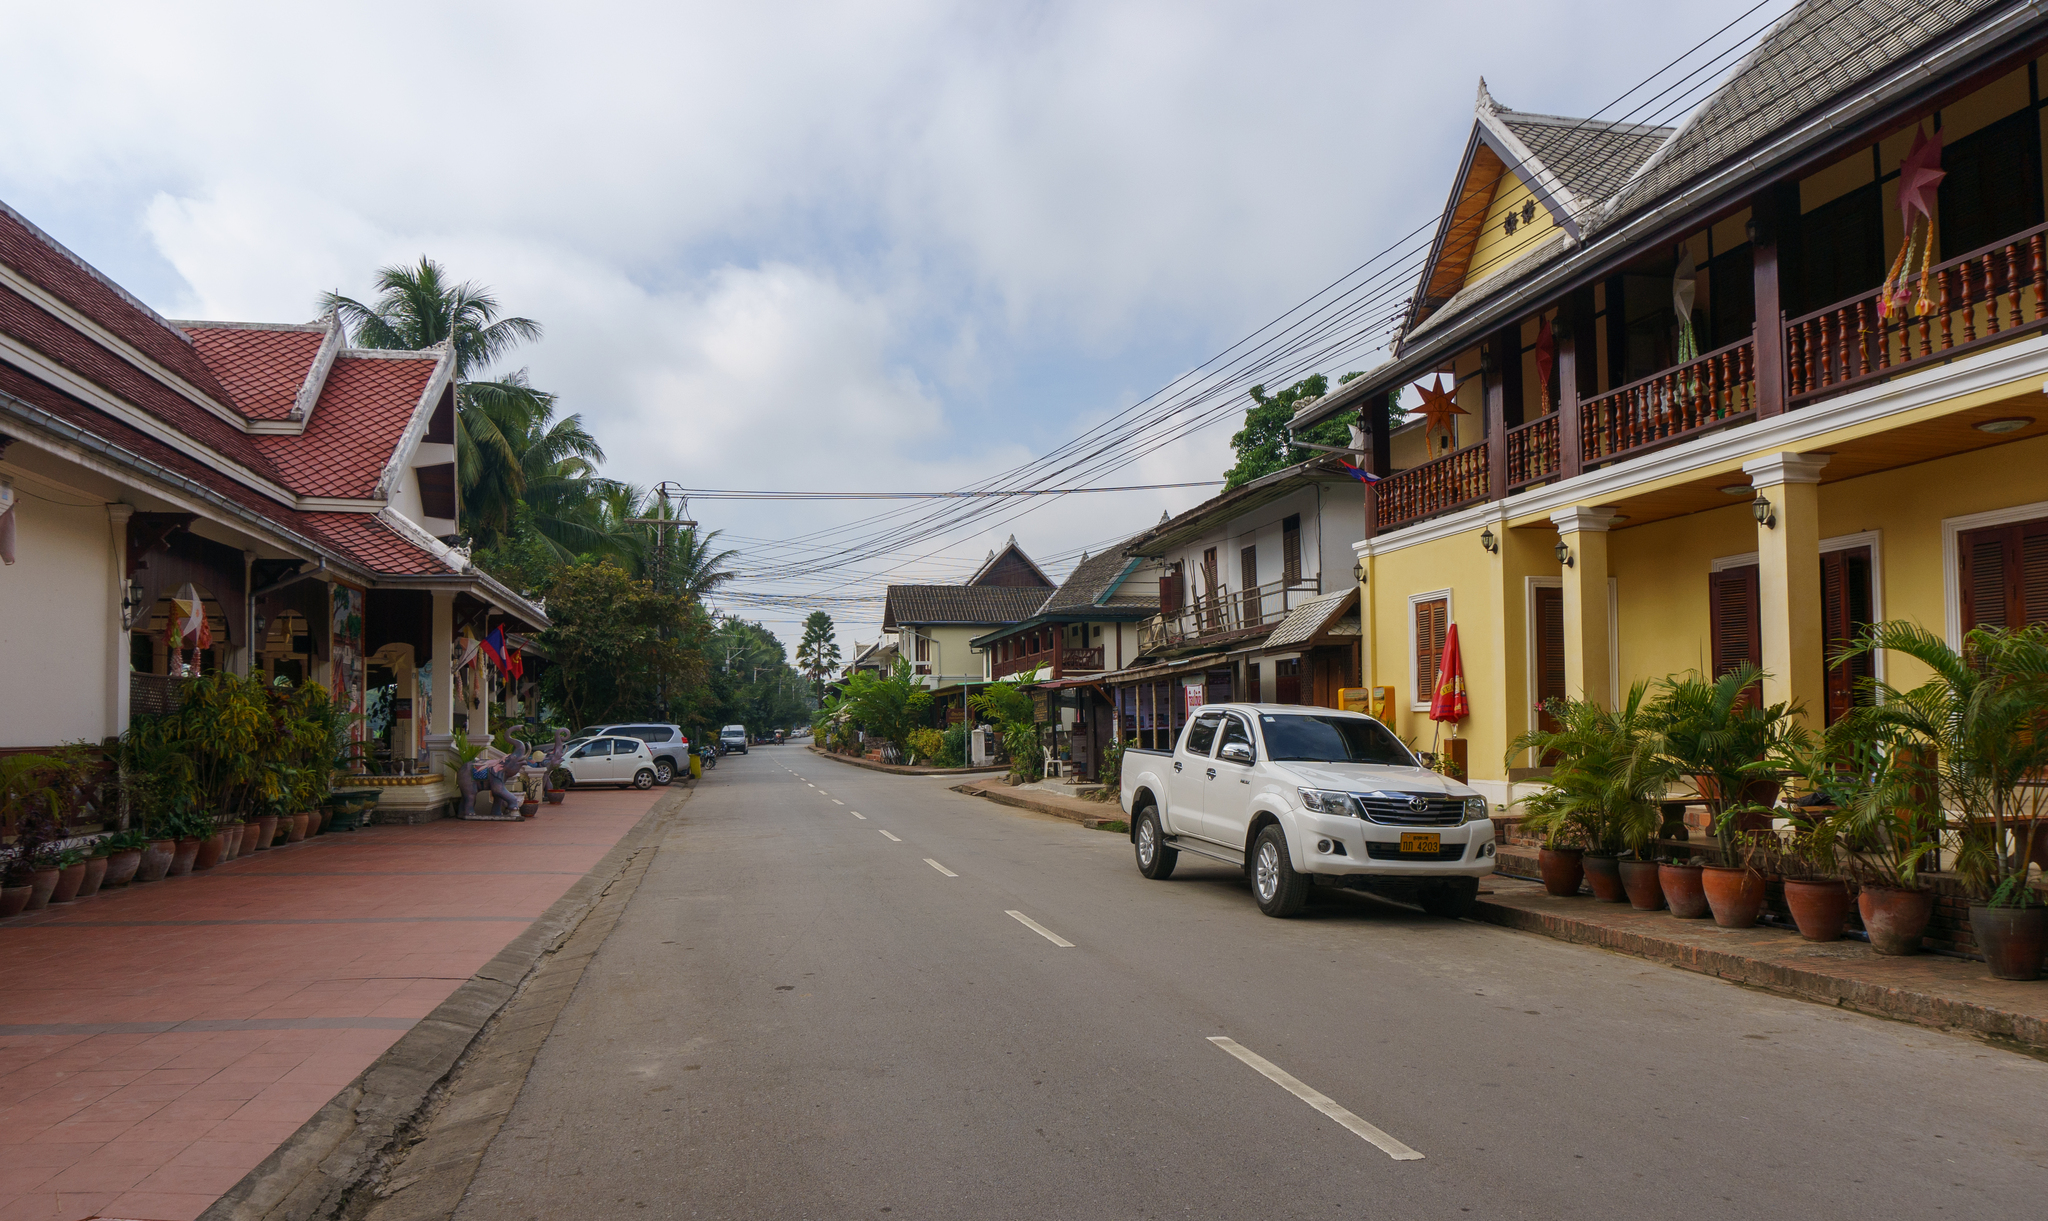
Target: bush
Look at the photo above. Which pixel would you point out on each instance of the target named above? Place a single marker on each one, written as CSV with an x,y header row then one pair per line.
x,y
1020,741
954,752
925,745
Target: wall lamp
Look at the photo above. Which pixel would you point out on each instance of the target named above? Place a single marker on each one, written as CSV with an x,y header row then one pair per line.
x,y
1358,572
1488,541
1761,507
131,601
1564,553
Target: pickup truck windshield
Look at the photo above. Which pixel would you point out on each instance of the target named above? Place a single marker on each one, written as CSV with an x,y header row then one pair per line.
x,y
1331,739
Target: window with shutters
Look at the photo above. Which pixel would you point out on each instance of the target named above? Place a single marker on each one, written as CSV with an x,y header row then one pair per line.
x,y
1735,615
1290,548
1547,636
2004,575
1248,585
1212,610
1432,618
1846,600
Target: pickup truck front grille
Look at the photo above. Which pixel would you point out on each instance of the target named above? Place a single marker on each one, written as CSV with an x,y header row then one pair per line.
x,y
1399,812
1392,852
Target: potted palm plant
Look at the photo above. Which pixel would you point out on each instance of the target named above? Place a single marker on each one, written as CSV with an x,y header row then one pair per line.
x,y
1607,775
1980,715
1883,821
1730,746
124,856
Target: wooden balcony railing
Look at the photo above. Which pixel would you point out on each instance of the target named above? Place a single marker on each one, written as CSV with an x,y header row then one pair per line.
x,y
1438,486
1083,660
1532,452
1716,389
1847,344
1225,611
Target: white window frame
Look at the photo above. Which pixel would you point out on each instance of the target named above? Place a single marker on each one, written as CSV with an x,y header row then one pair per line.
x,y
1416,704
1952,563
1874,539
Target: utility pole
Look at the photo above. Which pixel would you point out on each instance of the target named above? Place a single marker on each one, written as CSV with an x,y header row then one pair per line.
x,y
661,522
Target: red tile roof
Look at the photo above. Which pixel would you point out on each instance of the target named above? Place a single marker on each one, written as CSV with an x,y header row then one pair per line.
x,y
261,368
64,275
31,324
358,536
363,411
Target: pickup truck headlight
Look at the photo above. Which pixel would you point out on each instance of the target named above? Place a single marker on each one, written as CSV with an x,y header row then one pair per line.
x,y
1475,809
1326,801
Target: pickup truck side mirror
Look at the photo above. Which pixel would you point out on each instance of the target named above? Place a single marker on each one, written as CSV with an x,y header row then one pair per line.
x,y
1236,752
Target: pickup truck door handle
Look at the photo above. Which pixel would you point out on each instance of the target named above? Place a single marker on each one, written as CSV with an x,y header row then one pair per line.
x,y
1212,773
1176,765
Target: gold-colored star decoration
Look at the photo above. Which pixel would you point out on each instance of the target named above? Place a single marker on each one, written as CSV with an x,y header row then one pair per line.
x,y
1438,408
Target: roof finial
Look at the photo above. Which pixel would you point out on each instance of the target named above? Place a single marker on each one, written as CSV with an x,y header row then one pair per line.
x,y
1485,104
1162,517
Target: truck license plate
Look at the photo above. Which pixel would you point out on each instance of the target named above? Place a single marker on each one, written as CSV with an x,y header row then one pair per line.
x,y
1421,841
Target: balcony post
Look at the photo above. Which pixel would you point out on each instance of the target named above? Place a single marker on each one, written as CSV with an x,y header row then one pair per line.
x,y
1504,374
1577,317
1791,627
1379,449
1772,213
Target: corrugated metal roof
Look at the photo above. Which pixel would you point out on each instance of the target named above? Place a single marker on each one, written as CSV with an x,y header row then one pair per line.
x,y
1311,619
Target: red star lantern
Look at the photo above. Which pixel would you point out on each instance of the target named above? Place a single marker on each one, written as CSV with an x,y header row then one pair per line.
x,y
1438,408
1919,174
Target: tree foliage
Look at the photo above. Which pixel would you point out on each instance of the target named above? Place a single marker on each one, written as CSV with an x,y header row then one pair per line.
x,y
817,655
614,643
1265,444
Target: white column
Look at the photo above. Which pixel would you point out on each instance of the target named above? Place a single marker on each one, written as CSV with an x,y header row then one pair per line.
x,y
441,635
117,631
1583,529
1789,618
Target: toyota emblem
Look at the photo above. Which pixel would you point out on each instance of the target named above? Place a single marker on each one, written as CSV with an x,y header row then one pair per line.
x,y
1418,803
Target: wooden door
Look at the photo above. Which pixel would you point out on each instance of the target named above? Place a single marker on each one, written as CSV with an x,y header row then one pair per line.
x,y
1287,681
1845,599
1548,634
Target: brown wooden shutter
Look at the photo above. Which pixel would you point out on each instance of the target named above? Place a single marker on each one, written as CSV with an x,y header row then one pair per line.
x,y
1845,597
1984,569
1431,618
2034,572
1290,549
1169,594
1549,633
1735,613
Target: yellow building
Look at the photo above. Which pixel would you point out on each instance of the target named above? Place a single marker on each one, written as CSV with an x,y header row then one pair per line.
x,y
1786,461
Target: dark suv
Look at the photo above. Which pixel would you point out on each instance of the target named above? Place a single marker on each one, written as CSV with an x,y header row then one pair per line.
x,y
668,744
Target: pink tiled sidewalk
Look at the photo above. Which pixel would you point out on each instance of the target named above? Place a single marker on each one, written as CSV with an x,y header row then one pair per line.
x,y
157,1043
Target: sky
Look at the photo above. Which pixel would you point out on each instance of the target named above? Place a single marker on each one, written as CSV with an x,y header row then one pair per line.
x,y
864,247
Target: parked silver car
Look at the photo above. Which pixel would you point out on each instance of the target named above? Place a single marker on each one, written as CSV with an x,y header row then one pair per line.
x,y
667,745
610,759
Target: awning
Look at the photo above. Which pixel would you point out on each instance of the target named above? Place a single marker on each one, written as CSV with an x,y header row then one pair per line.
x,y
1165,669
1314,618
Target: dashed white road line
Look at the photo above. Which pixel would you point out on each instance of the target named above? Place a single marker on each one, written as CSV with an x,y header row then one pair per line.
x,y
859,815
1040,929
892,838
941,868
837,802
1320,1101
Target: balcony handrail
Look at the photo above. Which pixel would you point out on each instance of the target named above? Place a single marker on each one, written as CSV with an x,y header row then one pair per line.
x,y
1225,610
1534,451
1914,280
1405,496
1661,374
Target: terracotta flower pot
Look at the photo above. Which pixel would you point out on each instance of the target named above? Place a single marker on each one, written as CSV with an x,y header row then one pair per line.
x,y
1895,918
121,867
1603,874
1818,907
211,849
266,832
297,832
43,884
527,809
1735,895
156,860
238,839
14,899
1563,869
555,796
1684,889
1639,879
2013,939
69,879
95,877
184,856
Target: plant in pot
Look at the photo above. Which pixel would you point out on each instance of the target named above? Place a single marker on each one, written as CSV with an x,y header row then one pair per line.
x,y
1607,774
70,875
558,785
1980,715
124,856
1808,861
34,799
1732,748
1883,821
96,866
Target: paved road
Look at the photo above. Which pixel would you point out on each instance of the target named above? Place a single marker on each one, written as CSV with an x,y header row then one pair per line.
x,y
800,1016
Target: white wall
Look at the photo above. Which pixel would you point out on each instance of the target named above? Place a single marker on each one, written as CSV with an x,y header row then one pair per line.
x,y
1332,518
56,618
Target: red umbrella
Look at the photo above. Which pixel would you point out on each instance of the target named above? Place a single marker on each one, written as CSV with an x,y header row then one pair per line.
x,y
1447,702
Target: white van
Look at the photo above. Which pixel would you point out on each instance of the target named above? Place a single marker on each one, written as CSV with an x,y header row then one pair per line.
x,y
734,739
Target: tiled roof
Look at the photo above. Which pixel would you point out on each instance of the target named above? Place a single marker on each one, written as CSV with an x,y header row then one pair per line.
x,y
1310,619
359,536
1819,50
364,408
1091,579
1593,158
63,274
29,323
262,368
974,605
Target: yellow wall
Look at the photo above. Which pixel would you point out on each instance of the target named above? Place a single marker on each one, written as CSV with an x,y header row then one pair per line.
x,y
1660,572
57,619
1496,248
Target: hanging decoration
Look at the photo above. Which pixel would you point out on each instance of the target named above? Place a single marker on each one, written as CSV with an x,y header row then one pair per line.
x,y
1439,410
187,628
1919,174
467,654
1546,361
494,648
1684,290
345,645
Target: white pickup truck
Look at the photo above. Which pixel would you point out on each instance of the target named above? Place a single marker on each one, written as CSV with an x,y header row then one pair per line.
x,y
1300,797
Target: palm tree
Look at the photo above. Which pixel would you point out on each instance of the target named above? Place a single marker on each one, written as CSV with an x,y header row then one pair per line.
x,y
418,307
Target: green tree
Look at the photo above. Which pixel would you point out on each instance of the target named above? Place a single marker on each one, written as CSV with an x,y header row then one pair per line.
x,y
818,652
1265,444
888,707
614,642
419,306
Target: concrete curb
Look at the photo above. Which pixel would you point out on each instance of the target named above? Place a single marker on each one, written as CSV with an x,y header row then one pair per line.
x,y
1787,979
1087,813
897,769
345,1147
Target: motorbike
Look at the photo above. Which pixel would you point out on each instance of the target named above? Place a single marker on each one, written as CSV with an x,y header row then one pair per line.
x,y
709,754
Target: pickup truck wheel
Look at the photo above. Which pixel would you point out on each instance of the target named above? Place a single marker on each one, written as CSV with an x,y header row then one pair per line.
x,y
1278,888
1155,859
1452,898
